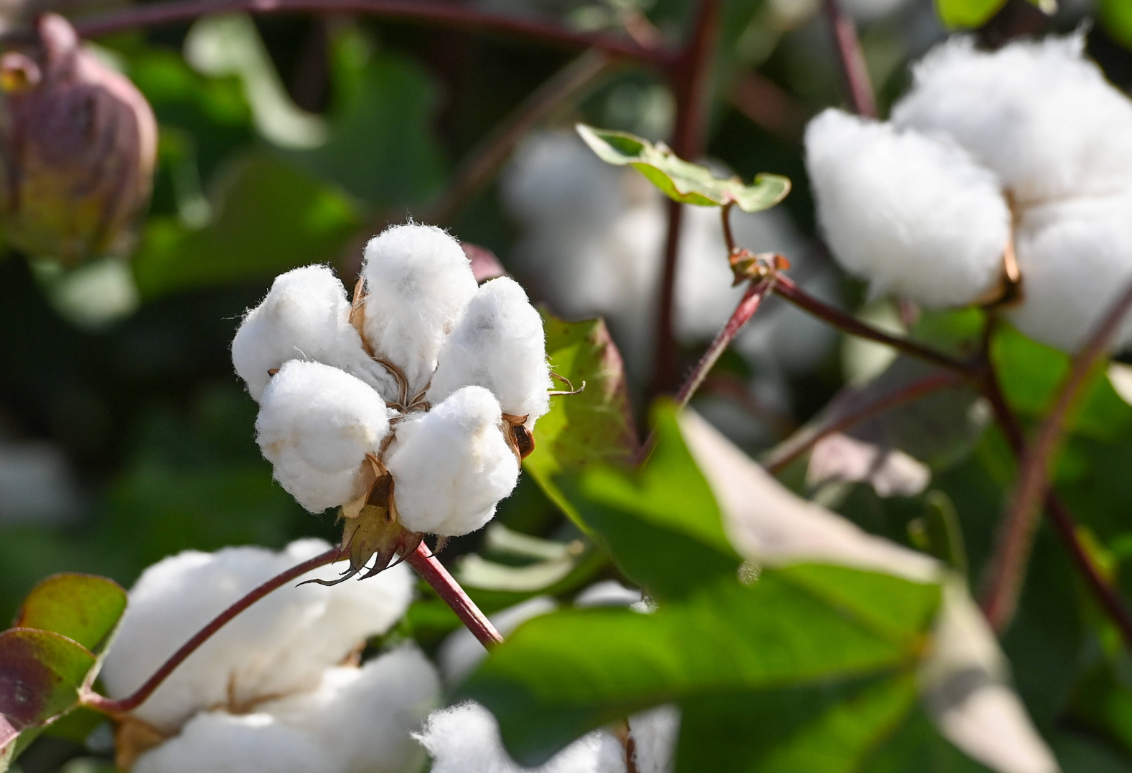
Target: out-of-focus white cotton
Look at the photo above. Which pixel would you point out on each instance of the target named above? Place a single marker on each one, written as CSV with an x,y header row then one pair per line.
x,y
452,465
281,644
1076,259
914,215
305,316
315,425
498,344
655,733
1037,113
418,281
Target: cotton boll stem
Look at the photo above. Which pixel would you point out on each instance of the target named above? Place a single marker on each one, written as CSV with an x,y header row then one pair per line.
x,y
433,572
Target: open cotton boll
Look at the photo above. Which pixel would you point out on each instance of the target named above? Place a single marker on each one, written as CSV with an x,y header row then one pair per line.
x,y
461,652
452,465
305,316
279,645
1076,259
315,425
368,714
418,282
1037,113
655,733
498,344
915,216
465,739
219,742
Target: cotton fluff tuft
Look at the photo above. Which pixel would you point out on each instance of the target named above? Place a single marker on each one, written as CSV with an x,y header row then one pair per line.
x,y
452,465
1037,113
465,739
367,715
498,344
305,316
315,425
280,645
1076,259
219,742
418,282
914,215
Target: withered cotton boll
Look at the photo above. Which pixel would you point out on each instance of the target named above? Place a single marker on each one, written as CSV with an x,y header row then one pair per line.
x,y
78,142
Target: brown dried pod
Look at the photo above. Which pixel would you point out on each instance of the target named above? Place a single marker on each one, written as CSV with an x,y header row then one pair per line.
x,y
78,142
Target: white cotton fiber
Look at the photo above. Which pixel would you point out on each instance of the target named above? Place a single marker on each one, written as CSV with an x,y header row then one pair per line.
x,y
461,652
305,316
655,733
219,742
367,715
452,465
498,344
418,282
465,739
914,215
316,424
1037,113
1076,260
281,644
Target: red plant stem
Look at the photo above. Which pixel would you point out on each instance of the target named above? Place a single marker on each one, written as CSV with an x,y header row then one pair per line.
x,y
852,59
782,456
839,319
690,79
108,706
434,573
436,12
1016,535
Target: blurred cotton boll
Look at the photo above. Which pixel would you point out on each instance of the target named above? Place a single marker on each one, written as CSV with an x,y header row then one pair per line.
x,y
284,643
916,216
1038,114
79,143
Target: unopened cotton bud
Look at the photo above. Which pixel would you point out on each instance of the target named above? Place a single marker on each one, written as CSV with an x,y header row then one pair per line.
x,y
418,281
305,316
914,215
281,644
452,465
1076,260
316,425
1037,113
219,742
465,739
78,142
498,344
367,715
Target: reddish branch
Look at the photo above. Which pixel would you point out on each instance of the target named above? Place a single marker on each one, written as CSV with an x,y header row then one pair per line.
x,y
434,12
434,573
852,59
131,702
1008,569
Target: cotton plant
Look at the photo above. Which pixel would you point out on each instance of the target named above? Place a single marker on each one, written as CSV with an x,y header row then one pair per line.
x,y
410,406
1003,177
279,688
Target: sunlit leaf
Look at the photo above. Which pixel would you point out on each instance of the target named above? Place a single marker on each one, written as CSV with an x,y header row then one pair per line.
x,y
681,180
975,13
83,607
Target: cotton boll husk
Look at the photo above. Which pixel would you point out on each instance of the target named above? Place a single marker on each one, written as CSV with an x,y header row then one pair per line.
x,y
219,742
655,733
367,714
914,215
315,425
281,644
452,465
1076,260
461,652
1037,113
305,316
498,344
418,281
465,739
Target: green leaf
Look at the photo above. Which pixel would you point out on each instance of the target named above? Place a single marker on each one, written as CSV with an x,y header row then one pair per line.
x,y
40,676
83,607
796,628
681,180
967,13
268,217
1116,16
593,426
